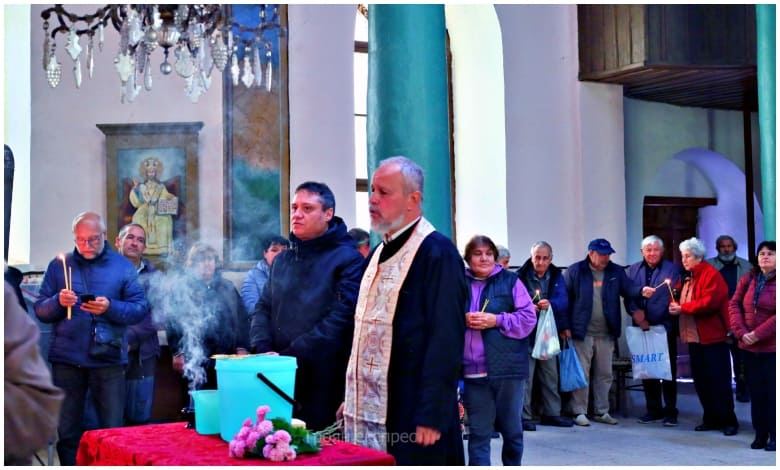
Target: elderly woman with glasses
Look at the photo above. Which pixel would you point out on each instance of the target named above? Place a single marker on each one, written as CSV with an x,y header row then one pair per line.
x,y
752,311
704,323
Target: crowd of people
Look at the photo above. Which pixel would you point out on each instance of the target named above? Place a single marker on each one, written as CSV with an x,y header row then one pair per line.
x,y
388,338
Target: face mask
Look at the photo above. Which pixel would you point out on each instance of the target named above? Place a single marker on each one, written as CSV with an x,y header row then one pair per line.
x,y
727,258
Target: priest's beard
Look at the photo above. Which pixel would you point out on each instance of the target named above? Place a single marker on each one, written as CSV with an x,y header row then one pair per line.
x,y
382,228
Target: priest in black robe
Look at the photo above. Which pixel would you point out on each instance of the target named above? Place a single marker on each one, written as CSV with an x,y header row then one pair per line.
x,y
407,348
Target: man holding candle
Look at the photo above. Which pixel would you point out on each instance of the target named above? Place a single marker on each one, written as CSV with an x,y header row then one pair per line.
x,y
119,301
545,280
661,274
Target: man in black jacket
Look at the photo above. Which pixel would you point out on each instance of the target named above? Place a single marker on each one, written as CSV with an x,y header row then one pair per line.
x,y
307,306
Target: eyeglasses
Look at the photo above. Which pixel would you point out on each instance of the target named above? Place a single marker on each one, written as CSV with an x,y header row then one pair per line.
x,y
90,240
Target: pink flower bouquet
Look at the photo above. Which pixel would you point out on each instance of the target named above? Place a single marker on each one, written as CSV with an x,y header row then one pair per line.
x,y
275,439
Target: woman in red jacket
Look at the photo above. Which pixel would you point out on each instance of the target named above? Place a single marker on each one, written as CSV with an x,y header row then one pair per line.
x,y
752,319
703,311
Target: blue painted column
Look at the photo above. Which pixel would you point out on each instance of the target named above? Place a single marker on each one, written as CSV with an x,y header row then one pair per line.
x,y
765,40
408,98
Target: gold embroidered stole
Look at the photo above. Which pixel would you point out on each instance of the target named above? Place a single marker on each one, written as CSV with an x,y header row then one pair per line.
x,y
365,403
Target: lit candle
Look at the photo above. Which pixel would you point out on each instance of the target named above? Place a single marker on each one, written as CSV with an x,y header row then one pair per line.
x,y
484,306
668,283
536,296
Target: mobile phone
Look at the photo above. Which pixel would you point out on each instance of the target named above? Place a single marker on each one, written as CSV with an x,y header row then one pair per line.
x,y
86,297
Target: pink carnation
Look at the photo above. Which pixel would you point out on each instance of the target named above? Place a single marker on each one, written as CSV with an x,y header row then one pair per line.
x,y
283,436
262,410
237,448
264,428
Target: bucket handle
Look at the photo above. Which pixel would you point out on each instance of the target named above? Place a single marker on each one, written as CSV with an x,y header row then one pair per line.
x,y
279,391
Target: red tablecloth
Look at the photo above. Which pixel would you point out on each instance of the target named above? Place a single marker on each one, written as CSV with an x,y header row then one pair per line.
x,y
173,444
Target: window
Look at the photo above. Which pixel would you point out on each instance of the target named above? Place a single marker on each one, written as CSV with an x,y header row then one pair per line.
x,y
360,56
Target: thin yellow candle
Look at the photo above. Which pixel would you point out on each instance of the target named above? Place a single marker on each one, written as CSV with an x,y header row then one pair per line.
x,y
484,306
536,296
669,285
67,273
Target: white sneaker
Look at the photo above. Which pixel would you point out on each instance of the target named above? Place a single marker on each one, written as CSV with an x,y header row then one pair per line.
x,y
605,418
581,420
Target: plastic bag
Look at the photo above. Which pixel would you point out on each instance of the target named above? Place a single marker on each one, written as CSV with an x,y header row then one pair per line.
x,y
546,345
649,353
572,375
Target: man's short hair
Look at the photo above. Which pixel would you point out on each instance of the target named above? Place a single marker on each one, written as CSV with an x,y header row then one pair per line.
x,y
360,236
126,228
275,240
411,173
325,195
651,239
88,216
725,237
503,252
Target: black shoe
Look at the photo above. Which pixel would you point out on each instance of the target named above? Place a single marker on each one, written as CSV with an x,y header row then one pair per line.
x,y
704,427
670,422
649,418
528,426
759,442
770,445
730,431
559,421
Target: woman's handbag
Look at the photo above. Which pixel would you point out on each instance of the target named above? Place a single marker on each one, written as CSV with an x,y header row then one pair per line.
x,y
572,375
649,353
546,345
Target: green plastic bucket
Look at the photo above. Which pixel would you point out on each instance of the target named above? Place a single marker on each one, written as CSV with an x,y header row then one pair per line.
x,y
206,411
241,391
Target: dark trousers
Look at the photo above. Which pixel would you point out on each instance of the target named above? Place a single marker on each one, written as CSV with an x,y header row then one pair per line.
x,y
107,385
655,388
761,376
495,404
711,370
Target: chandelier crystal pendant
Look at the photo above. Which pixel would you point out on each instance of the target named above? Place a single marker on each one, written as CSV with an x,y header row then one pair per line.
x,y
195,39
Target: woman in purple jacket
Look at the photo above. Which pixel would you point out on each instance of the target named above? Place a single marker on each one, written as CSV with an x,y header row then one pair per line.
x,y
499,318
752,311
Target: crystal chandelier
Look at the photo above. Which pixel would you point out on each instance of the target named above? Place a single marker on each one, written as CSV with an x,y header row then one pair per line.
x,y
195,39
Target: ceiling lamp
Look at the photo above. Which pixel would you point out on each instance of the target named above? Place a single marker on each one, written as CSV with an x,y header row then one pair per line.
x,y
195,39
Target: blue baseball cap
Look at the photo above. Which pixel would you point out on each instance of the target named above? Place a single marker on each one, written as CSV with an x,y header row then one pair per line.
x,y
601,246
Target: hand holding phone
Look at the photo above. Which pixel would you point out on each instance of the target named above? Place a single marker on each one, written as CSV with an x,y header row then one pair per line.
x,y
86,297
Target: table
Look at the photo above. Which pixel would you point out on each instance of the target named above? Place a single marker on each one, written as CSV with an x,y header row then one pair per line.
x,y
173,444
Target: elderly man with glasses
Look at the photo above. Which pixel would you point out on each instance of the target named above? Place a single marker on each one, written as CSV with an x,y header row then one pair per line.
x,y
89,296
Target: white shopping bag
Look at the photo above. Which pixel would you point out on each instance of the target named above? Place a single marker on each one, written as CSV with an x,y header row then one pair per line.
x,y
546,345
649,353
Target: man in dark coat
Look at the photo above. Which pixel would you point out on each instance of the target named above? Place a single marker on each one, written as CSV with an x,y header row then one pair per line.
x,y
307,306
595,286
411,304
88,349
